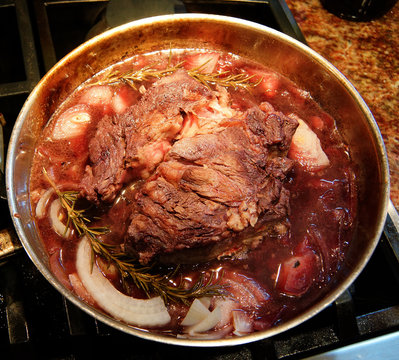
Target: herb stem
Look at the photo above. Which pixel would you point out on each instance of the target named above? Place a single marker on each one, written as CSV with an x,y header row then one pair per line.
x,y
224,78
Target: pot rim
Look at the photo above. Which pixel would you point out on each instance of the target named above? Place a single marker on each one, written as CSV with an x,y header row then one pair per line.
x,y
40,263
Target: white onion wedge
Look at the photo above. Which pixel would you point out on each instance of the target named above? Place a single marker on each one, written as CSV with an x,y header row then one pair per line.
x,y
306,148
58,226
208,323
242,323
226,308
42,203
196,313
150,313
206,301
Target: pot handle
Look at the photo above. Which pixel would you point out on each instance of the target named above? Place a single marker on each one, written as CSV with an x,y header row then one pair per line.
x,y
9,242
391,231
3,192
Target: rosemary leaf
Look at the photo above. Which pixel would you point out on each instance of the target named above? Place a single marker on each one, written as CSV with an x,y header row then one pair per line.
x,y
133,76
224,79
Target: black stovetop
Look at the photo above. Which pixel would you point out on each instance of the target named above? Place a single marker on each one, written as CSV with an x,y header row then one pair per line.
x,y
36,322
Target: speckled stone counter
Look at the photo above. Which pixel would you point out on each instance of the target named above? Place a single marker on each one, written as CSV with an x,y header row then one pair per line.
x,y
367,53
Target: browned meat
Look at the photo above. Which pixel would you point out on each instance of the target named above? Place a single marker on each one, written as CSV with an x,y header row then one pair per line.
x,y
212,175
107,153
213,188
158,118
274,128
133,144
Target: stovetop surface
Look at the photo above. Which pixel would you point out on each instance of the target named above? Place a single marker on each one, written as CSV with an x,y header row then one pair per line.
x,y
37,322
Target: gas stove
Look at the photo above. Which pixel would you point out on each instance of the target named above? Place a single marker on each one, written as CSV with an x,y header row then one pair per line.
x,y
37,322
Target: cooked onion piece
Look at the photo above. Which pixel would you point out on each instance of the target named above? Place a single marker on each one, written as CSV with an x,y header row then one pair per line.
x,y
206,301
57,268
196,313
72,123
42,203
79,289
97,95
208,323
242,323
306,148
123,98
226,309
205,62
58,226
151,312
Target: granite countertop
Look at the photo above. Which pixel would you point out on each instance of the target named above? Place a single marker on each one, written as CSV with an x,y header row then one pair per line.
x,y
367,53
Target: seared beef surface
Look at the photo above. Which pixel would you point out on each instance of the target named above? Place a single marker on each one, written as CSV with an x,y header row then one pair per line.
x,y
107,152
133,144
212,174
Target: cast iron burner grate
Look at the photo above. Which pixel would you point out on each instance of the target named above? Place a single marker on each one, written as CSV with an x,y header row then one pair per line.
x,y
36,322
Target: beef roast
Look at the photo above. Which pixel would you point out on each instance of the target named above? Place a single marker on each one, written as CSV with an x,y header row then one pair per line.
x,y
133,144
212,190
211,175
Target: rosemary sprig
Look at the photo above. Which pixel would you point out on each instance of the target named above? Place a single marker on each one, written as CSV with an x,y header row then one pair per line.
x,y
75,217
133,76
143,278
153,283
224,78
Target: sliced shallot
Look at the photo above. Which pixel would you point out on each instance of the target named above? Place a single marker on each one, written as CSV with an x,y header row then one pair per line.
x,y
150,313
72,123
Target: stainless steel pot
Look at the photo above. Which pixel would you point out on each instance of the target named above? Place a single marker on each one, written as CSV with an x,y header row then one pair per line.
x,y
269,47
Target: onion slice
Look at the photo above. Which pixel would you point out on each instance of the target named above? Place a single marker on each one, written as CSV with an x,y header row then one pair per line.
x,y
208,323
42,203
56,223
150,313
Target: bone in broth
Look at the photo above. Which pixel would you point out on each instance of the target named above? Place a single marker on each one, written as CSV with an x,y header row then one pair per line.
x,y
194,193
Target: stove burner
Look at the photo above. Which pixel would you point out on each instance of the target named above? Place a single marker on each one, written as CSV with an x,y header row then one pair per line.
x,y
37,322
